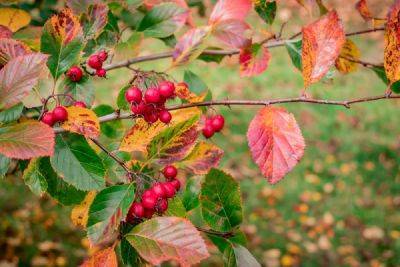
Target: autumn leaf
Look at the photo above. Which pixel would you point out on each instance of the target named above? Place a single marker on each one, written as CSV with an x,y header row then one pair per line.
x,y
322,42
276,142
18,77
95,20
168,238
392,44
362,8
348,52
229,10
103,258
26,140
253,60
82,121
232,33
182,91
149,4
64,26
14,19
79,213
10,48
5,32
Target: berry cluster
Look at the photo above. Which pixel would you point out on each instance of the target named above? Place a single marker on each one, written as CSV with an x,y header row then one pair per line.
x,y
59,114
96,61
212,125
155,199
151,105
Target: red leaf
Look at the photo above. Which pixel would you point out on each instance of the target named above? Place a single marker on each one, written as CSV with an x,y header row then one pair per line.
x,y
97,19
392,44
26,140
363,9
102,258
253,60
149,4
10,48
5,32
322,42
276,142
229,9
232,33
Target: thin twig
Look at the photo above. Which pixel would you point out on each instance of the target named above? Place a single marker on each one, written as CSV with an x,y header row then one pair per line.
x,y
361,62
212,232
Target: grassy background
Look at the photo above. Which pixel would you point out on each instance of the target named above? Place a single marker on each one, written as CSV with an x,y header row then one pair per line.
x,y
339,206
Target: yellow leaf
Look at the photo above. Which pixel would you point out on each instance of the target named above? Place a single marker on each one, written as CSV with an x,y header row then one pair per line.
x,y
82,121
14,18
349,51
105,257
392,44
79,214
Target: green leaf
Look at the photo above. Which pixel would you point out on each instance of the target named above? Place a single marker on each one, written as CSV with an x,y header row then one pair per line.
x,y
111,129
108,208
132,18
77,163
112,23
212,58
190,196
176,208
294,50
114,172
129,255
11,114
195,83
4,164
221,201
80,91
266,10
380,72
169,41
222,243
34,178
237,255
121,101
162,21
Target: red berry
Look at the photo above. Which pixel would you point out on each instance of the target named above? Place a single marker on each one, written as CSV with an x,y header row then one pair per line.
x,y
170,172
148,193
80,104
135,211
208,121
138,109
48,118
148,213
162,205
101,72
167,89
165,116
151,117
218,123
208,131
169,190
149,202
60,114
176,183
103,55
75,74
133,94
158,190
95,62
152,95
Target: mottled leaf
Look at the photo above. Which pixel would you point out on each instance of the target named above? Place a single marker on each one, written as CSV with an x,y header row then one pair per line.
x,y
82,121
80,91
26,140
168,238
276,142
176,208
10,48
95,20
322,42
30,36
18,77
232,33
183,91
253,60
230,9
11,114
14,18
349,52
266,10
5,32
182,3
294,51
80,6
392,44
220,200
102,258
80,213
237,255
362,8
34,177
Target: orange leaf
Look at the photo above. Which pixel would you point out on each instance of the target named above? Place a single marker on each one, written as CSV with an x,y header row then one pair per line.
x,y
229,9
253,60
82,121
349,51
363,9
79,214
276,142
182,91
392,44
65,26
14,18
102,258
322,41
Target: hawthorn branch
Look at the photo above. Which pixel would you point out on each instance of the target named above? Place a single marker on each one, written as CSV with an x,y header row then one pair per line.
x,y
268,44
362,62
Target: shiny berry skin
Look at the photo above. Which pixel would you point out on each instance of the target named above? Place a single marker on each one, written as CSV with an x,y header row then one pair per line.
x,y
101,72
95,62
75,74
151,117
138,109
135,211
208,121
167,89
158,189
148,193
48,118
60,114
103,55
149,202
208,131
133,94
218,123
169,190
176,183
148,213
162,205
152,96
165,116
170,172
80,104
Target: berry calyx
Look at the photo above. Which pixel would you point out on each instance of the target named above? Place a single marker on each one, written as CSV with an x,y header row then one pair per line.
x,y
60,114
169,190
138,109
103,55
158,189
136,211
80,104
165,116
167,89
133,94
150,201
218,122
75,74
152,95
95,62
176,183
162,205
48,118
208,131
170,172
101,72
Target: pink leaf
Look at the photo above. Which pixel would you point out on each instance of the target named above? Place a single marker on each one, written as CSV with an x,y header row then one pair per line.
x,y
322,42
26,140
253,60
232,33
149,4
5,32
229,9
276,142
10,48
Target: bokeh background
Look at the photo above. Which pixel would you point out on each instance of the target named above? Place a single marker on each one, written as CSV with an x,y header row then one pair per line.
x,y
338,207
